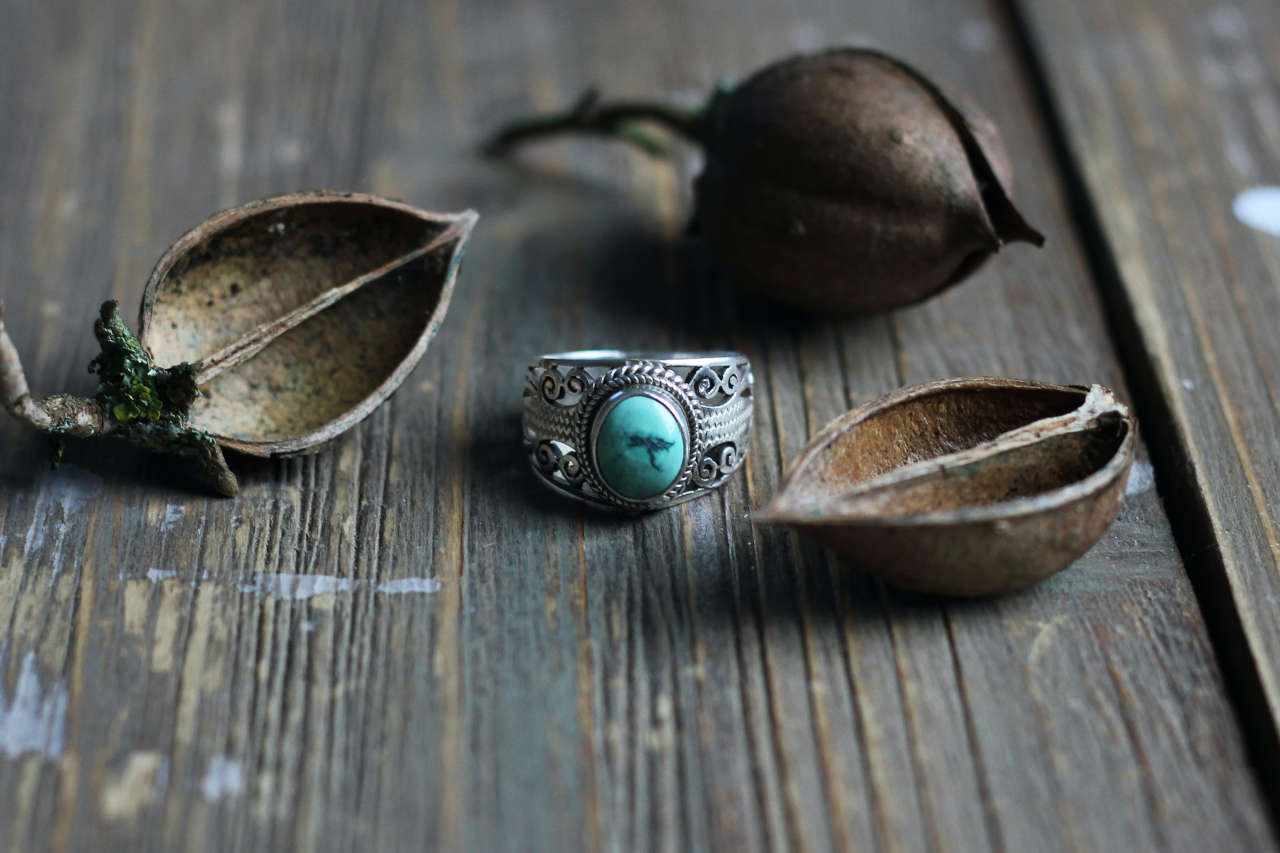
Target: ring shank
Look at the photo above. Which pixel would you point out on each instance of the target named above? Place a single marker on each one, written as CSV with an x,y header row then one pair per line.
x,y
610,358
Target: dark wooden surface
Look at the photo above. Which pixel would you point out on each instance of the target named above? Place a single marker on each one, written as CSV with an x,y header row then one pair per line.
x,y
277,671
1178,108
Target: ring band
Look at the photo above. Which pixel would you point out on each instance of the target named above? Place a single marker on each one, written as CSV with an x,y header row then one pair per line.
x,y
637,431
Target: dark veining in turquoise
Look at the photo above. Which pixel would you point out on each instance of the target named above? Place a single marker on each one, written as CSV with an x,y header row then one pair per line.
x,y
640,448
651,443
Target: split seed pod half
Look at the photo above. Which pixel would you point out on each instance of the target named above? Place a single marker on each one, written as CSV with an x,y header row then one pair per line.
x,y
963,487
270,329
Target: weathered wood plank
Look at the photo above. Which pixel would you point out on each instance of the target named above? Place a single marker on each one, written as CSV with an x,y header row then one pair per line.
x,y
236,674
1170,111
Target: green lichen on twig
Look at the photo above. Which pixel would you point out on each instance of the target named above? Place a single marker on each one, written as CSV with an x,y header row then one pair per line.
x,y
622,120
149,405
131,388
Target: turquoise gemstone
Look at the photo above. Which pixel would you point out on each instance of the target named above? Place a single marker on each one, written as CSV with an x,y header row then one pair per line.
x,y
639,448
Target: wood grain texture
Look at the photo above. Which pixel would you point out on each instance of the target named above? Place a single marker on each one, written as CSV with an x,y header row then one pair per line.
x,y
179,672
1170,111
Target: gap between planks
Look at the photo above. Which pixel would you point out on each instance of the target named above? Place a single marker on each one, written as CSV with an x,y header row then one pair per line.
x,y
1166,441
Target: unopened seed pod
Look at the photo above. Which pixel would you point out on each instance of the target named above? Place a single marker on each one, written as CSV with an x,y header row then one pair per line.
x,y
844,181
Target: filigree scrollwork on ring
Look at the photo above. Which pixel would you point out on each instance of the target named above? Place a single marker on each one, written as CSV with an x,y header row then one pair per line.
x,y
705,383
717,464
710,383
550,459
555,386
551,384
730,380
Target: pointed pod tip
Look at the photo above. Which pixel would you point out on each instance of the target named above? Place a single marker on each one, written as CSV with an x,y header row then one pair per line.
x,y
1010,226
976,133
460,225
1022,232
777,511
799,518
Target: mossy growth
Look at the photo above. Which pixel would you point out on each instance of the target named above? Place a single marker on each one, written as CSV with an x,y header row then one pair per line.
x,y
149,405
130,387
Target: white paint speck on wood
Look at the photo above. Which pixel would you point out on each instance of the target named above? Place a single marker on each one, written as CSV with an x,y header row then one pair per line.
x,y
60,496
298,587
224,778
291,586
1259,207
33,719
404,585
173,514
1142,477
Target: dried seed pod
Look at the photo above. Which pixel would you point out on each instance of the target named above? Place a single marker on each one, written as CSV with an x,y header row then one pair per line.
x,y
843,181
270,329
963,487
846,181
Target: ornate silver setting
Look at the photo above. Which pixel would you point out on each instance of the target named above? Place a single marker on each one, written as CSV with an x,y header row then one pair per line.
x,y
566,396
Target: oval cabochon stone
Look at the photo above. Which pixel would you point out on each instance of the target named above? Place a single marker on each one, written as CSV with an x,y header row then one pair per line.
x,y
640,448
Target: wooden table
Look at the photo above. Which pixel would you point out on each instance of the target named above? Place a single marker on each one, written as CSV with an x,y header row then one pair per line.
x,y
404,643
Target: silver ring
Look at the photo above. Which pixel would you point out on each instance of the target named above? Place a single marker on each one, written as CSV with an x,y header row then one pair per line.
x,y
637,431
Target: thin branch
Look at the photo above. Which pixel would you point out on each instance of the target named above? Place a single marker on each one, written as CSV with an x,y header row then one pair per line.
x,y
617,120
61,414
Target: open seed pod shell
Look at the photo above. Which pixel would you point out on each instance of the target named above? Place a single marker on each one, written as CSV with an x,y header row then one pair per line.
x,y
963,487
302,312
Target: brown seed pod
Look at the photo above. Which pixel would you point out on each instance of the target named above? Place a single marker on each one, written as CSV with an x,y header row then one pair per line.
x,y
842,181
963,487
846,181
270,329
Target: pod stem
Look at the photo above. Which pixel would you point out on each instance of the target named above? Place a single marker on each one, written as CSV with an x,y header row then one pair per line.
x,y
617,120
136,400
58,415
